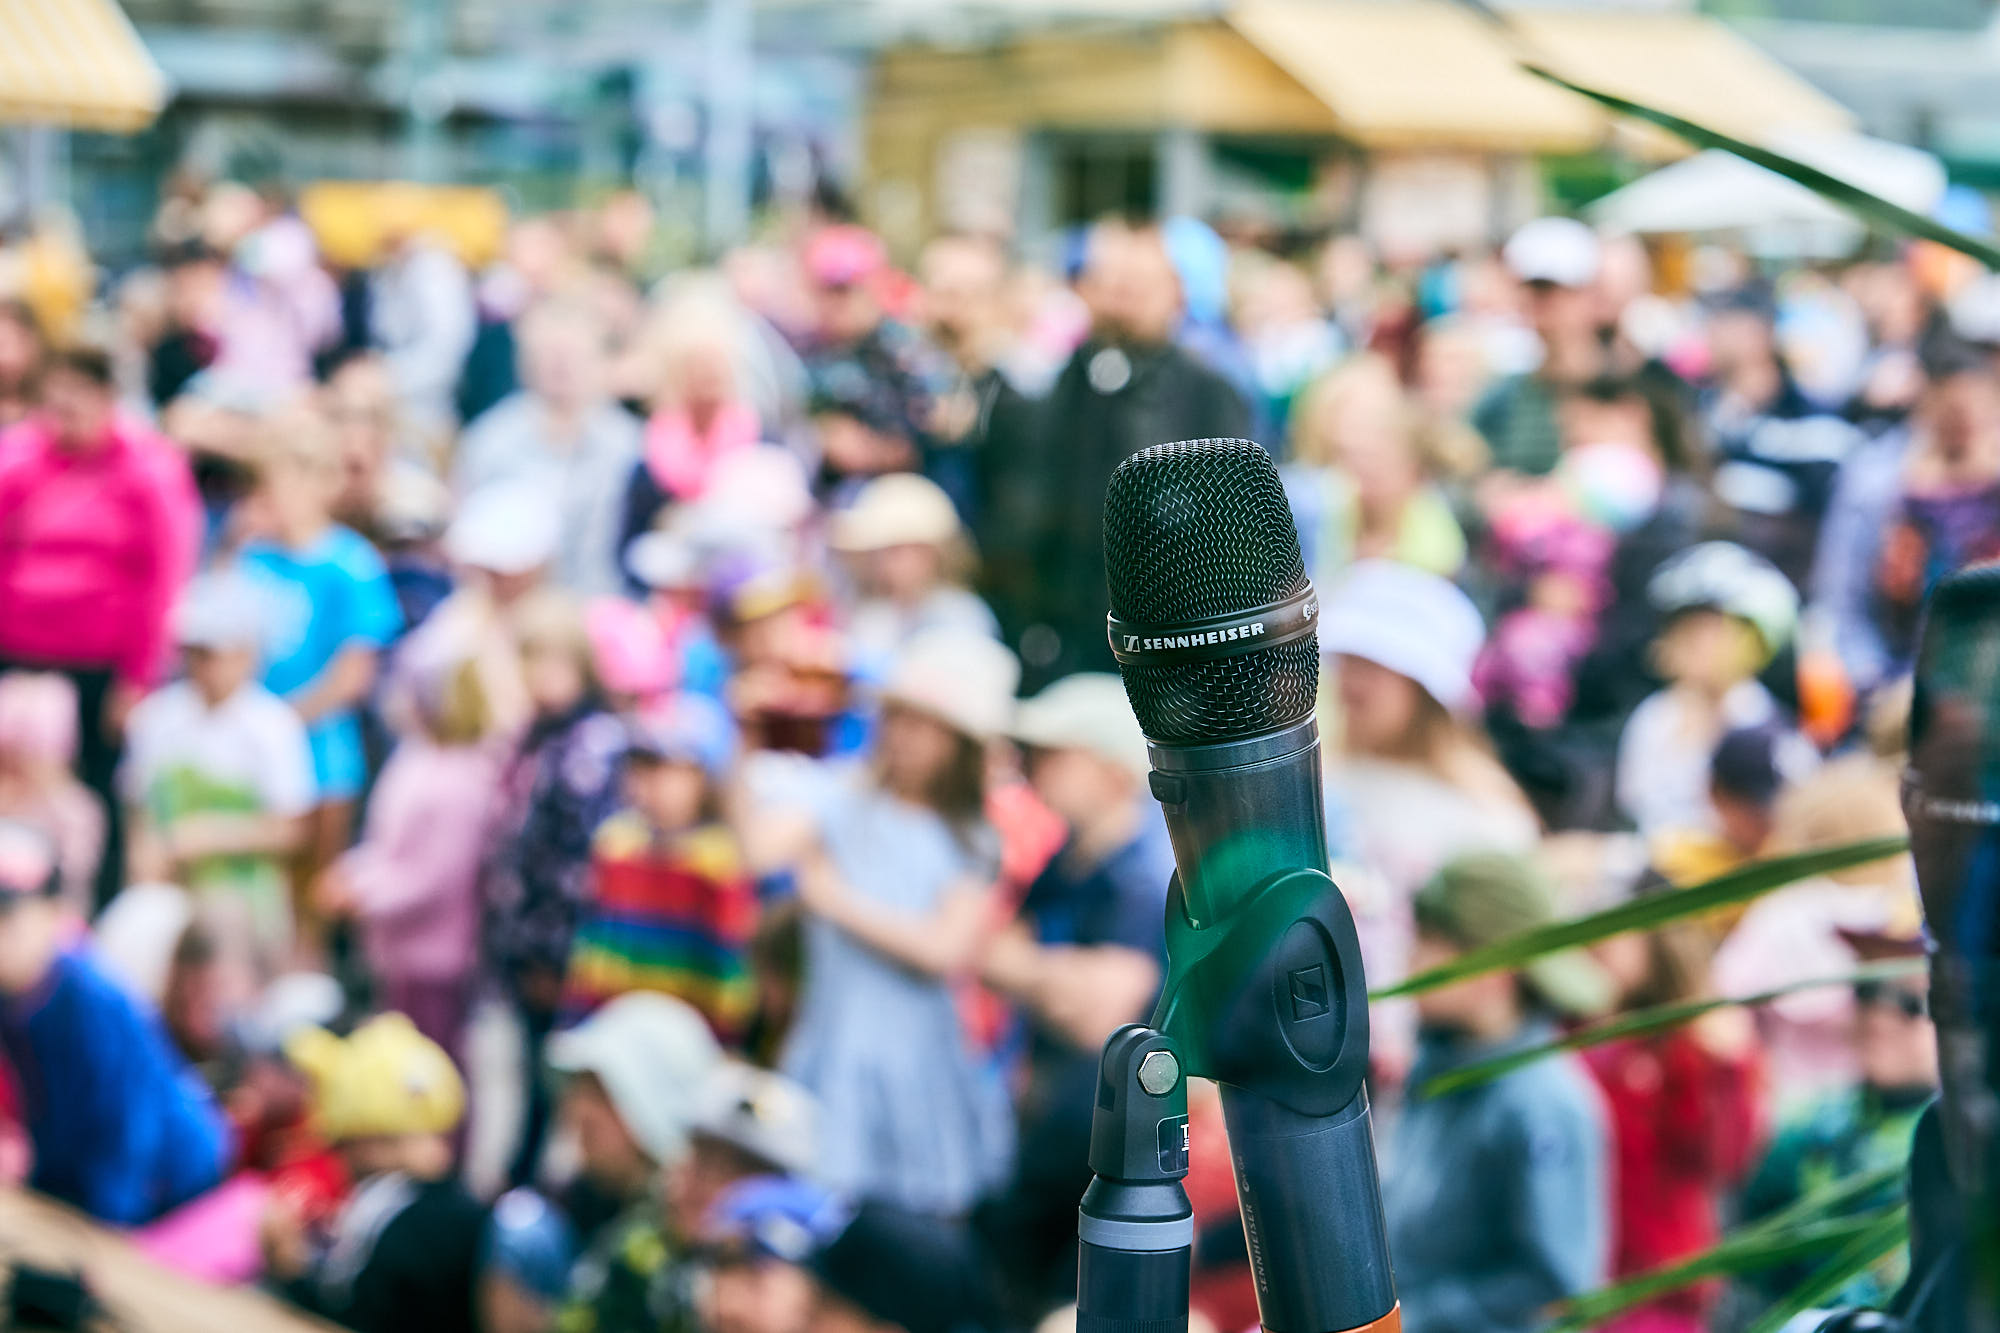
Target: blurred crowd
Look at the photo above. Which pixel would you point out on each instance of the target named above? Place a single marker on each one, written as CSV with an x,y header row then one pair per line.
x,y
576,797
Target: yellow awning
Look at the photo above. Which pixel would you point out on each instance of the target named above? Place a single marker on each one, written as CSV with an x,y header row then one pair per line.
x,y
77,63
1428,73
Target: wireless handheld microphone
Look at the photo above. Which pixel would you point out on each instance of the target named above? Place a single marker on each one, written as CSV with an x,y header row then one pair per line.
x,y
1213,624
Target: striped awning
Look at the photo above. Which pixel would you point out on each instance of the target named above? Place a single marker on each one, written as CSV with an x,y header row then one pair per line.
x,y
76,63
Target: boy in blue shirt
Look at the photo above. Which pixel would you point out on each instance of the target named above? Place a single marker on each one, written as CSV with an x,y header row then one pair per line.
x,y
331,611
121,1127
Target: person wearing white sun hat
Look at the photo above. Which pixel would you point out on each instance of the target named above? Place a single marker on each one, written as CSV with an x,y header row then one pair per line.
x,y
896,883
910,557
1411,771
1556,261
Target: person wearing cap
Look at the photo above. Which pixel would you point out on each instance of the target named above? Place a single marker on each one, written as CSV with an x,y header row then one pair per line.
x,y
120,1125
889,1269
671,906
895,865
1497,1196
1128,386
218,778
911,558
1750,770
402,1252
1556,261
1777,452
564,435
636,1075
1725,613
1411,775
1085,955
331,611
1863,1124
757,1243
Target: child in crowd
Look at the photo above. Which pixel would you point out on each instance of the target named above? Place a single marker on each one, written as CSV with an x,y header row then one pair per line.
x,y
332,611
1497,1196
1751,768
218,778
895,880
1727,613
671,907
1685,1116
120,1126
668,564
401,1254
412,882
37,747
911,558
757,1244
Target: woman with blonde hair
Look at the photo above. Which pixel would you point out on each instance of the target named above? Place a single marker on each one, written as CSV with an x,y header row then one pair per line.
x,y
1360,482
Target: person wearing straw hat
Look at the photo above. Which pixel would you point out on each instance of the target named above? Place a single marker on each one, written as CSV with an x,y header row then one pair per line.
x,y
896,883
911,555
1497,1196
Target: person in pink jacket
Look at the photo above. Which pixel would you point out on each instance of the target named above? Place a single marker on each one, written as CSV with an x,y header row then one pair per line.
x,y
412,882
100,527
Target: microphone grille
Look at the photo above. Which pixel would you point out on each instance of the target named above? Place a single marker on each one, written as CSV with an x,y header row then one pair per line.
x,y
1957,672
1196,529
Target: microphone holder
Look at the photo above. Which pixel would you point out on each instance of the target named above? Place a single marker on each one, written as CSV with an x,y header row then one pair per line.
x,y
1268,1000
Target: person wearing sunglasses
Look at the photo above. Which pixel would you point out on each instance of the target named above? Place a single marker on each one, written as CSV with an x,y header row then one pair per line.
x,y
1859,1129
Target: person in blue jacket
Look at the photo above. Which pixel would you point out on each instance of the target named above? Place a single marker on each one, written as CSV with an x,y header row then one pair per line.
x,y
121,1126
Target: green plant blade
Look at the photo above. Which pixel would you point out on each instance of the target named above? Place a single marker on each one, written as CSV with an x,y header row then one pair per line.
x,y
1872,208
1853,1258
1648,913
1827,1199
1734,1255
1659,1018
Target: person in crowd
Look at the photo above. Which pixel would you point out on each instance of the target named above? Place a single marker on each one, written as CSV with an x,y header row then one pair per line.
x,y
1864,1126
559,787
1128,386
330,612
895,877
635,1074
524,1265
852,336
1686,1115
671,905
99,526
1556,261
37,751
1750,769
911,556
360,405
757,1244
1777,452
401,1253
889,1268
700,414
119,1126
412,881
1497,1196
1358,482
422,315
196,280
1726,612
1412,773
1085,956
564,435
22,351
219,781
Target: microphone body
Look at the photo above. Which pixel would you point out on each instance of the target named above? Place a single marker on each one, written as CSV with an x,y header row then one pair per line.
x,y
1212,623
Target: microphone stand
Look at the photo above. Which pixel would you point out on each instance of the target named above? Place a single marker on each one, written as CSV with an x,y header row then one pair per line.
x,y
1268,1001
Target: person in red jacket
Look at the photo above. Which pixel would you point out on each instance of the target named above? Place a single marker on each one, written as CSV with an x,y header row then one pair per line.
x,y
1686,1116
99,529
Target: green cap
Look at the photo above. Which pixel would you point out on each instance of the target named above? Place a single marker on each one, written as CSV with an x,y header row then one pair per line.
x,y
1483,897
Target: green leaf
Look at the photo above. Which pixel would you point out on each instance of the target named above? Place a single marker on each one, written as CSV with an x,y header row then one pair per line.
x,y
1642,1021
1746,1252
1826,1282
1828,1199
1871,208
1647,913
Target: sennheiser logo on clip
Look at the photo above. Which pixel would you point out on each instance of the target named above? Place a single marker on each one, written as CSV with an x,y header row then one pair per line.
x,y
1140,643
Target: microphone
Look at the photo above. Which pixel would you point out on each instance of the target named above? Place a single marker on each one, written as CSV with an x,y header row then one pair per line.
x,y
1212,623
1951,799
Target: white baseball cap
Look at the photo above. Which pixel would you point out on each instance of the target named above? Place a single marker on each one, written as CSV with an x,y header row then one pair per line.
x,y
963,679
900,509
1410,621
505,528
1086,711
1558,250
763,1114
654,1055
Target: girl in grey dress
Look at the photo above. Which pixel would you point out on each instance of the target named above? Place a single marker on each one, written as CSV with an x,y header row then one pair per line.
x,y
897,894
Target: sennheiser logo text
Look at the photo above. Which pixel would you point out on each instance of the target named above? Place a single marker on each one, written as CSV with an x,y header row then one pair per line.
x,y
1136,643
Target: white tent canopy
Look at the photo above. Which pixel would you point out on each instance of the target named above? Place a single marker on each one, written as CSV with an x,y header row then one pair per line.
x,y
1715,191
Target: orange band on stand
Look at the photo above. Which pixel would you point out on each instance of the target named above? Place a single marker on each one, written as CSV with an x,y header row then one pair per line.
x,y
1391,1322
